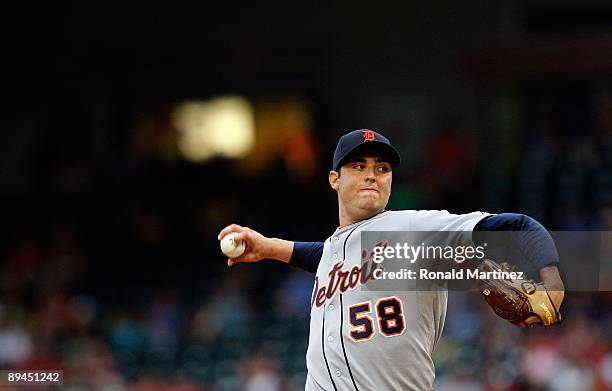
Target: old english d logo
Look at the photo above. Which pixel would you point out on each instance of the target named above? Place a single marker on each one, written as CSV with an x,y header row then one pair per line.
x,y
368,135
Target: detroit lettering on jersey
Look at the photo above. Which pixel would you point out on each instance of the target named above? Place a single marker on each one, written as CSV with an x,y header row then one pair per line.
x,y
342,280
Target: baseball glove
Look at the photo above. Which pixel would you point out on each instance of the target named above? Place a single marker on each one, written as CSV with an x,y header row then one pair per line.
x,y
520,301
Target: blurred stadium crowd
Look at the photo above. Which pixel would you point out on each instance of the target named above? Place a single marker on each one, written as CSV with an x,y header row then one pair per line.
x,y
109,264
115,276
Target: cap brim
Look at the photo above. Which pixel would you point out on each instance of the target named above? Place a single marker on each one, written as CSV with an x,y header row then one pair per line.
x,y
385,149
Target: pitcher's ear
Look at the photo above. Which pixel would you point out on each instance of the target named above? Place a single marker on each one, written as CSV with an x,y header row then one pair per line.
x,y
333,178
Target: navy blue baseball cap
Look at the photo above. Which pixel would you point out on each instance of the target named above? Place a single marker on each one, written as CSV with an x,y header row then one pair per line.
x,y
368,139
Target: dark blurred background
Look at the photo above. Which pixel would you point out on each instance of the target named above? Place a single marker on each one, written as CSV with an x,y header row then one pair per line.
x,y
133,133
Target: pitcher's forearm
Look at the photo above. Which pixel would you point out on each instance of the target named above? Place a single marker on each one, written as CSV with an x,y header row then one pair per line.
x,y
551,278
279,249
554,284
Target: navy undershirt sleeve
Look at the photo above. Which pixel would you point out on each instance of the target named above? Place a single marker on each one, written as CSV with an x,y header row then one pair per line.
x,y
534,241
307,255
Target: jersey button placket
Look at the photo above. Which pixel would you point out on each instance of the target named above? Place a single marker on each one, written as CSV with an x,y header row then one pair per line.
x,y
334,243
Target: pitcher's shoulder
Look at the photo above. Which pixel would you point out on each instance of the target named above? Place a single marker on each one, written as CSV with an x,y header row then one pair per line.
x,y
418,212
432,212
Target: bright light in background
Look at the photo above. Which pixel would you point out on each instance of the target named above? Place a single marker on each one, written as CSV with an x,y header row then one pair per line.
x,y
220,126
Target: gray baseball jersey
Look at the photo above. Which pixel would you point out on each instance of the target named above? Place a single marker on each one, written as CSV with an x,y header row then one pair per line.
x,y
366,340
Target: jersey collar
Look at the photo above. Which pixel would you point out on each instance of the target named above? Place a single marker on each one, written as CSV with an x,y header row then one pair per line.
x,y
340,230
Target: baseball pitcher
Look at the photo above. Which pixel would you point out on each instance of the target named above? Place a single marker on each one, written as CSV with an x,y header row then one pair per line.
x,y
384,340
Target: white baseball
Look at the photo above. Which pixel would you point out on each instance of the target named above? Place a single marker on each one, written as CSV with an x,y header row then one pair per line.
x,y
230,247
